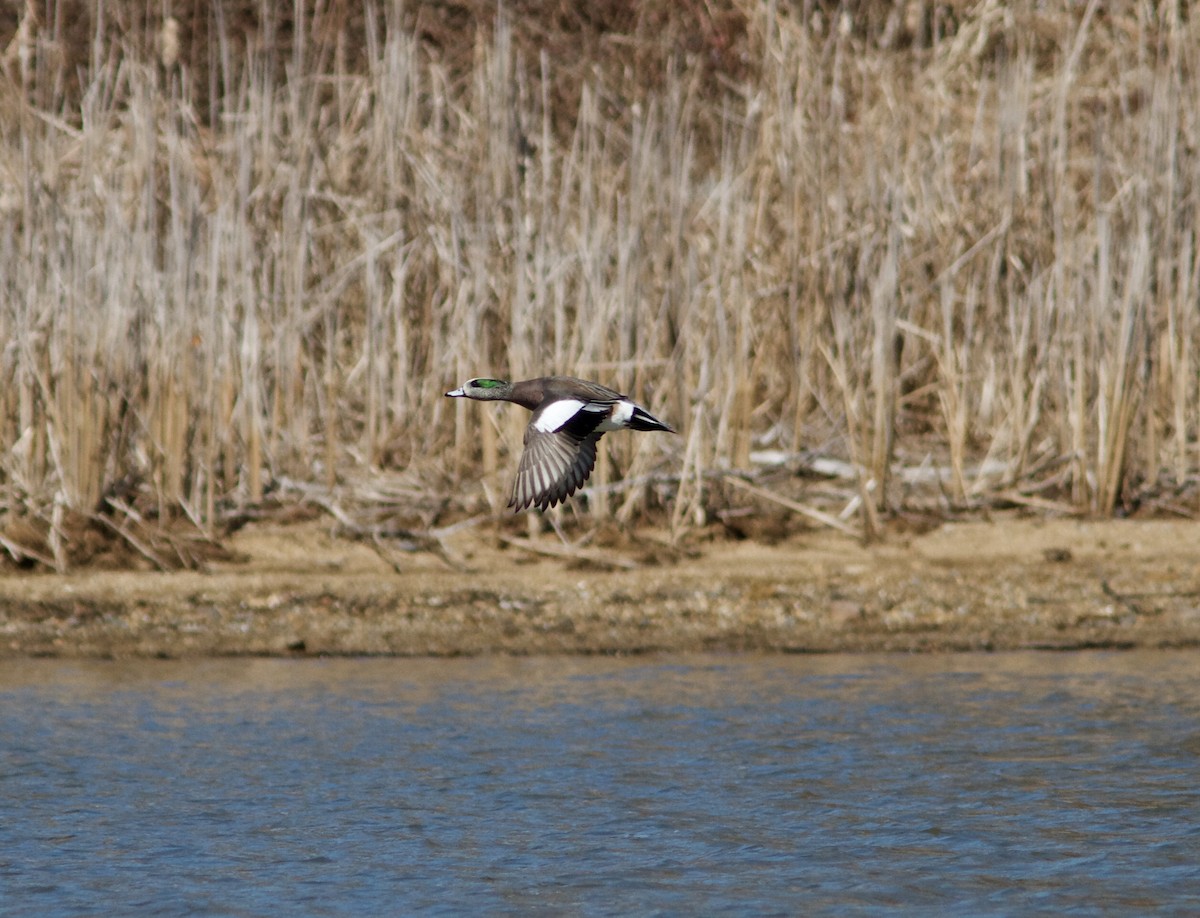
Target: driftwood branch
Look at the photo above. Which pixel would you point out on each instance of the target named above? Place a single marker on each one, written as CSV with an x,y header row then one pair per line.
x,y
812,513
562,550
126,533
385,540
21,552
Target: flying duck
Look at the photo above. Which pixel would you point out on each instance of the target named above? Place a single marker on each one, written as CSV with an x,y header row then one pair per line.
x,y
569,417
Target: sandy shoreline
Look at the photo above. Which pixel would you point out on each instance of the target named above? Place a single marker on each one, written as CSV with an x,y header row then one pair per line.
x,y
979,586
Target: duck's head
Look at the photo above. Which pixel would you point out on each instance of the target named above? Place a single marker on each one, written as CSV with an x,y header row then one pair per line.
x,y
482,388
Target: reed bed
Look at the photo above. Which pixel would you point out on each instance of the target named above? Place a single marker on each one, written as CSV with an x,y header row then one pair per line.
x,y
883,266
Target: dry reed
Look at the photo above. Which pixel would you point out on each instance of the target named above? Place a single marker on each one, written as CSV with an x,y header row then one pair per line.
x,y
973,252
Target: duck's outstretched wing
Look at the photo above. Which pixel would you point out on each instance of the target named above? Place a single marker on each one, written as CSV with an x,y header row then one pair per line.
x,y
552,468
556,463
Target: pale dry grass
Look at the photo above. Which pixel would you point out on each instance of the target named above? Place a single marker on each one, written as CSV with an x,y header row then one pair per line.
x,y
976,258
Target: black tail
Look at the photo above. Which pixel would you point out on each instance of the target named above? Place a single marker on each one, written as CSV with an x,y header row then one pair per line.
x,y
644,420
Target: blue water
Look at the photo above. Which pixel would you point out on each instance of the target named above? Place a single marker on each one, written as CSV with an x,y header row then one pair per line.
x,y
842,785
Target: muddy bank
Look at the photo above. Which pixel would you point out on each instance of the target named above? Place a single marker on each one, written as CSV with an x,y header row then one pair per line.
x,y
979,586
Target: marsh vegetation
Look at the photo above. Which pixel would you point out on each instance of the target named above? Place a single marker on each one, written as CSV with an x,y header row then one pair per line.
x,y
873,260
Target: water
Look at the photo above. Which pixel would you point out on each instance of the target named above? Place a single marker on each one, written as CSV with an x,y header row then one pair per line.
x,y
842,785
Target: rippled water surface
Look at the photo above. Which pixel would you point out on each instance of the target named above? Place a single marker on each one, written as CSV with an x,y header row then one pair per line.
x,y
839,785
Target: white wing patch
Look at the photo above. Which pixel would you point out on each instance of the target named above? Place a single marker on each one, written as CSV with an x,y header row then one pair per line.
x,y
556,414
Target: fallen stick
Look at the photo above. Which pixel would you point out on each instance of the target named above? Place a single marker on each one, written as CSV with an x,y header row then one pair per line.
x,y
21,552
567,551
813,514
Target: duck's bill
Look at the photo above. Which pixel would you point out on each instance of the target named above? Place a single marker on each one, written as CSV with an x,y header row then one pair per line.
x,y
453,393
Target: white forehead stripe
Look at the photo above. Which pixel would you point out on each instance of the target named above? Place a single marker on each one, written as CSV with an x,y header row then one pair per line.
x,y
556,414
